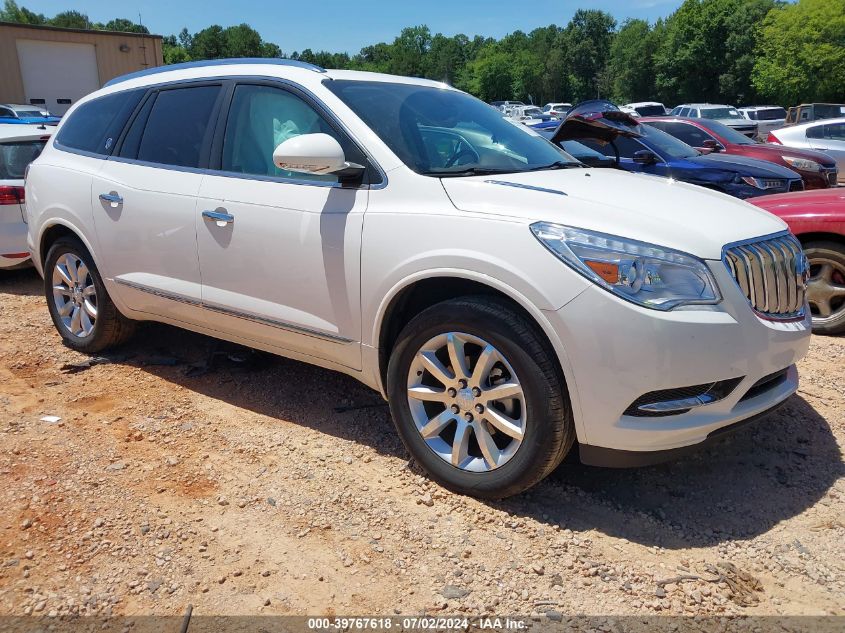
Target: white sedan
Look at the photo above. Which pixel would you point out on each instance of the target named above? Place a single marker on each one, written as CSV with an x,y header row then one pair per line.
x,y
824,135
19,145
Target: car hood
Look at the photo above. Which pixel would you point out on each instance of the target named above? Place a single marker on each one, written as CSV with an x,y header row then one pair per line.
x,y
745,165
826,203
646,208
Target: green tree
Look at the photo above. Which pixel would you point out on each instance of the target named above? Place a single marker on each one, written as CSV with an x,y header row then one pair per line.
x,y
801,53
587,40
707,48
629,67
241,41
70,20
11,12
125,26
209,43
409,51
172,51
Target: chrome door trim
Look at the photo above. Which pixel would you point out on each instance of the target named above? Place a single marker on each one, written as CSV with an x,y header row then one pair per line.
x,y
282,325
248,316
173,296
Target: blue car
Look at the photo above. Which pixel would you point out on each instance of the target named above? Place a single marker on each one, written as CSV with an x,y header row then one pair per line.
x,y
23,114
604,128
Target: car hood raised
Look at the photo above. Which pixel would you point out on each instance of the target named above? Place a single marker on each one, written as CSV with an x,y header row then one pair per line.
x,y
746,165
647,208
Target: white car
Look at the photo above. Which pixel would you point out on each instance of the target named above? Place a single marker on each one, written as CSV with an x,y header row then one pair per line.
x,y
20,144
825,135
505,299
768,118
556,110
724,114
644,108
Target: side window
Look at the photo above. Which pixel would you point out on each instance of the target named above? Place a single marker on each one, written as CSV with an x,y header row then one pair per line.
x,y
685,132
835,131
95,125
626,147
6,112
260,118
816,131
805,115
178,126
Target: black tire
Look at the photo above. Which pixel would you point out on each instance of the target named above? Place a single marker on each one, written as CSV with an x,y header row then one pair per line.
x,y
831,254
111,328
549,430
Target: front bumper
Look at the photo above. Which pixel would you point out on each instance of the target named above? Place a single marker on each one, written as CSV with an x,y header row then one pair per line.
x,y
617,352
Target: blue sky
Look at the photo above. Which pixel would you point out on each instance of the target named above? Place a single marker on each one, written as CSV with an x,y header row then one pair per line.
x,y
347,25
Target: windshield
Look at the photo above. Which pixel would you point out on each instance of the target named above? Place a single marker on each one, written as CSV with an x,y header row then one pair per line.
x,y
651,110
26,114
728,133
666,144
439,132
14,157
769,114
532,112
720,113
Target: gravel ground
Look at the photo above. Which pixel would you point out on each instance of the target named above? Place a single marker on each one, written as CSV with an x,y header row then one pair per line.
x,y
182,472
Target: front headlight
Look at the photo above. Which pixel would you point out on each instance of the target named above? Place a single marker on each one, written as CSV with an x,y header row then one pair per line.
x,y
645,274
803,164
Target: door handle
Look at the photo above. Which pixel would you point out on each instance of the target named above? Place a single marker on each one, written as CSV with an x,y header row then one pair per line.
x,y
221,218
112,198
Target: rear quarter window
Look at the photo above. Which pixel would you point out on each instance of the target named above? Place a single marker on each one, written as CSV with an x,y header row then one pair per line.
x,y
95,125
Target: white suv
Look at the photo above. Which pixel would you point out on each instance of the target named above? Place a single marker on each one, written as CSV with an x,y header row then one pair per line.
x,y
505,299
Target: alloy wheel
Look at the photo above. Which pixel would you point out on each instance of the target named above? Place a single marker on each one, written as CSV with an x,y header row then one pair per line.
x,y
74,295
826,289
467,402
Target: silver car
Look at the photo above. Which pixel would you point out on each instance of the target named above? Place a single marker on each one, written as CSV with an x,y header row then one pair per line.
x,y
724,114
768,118
826,135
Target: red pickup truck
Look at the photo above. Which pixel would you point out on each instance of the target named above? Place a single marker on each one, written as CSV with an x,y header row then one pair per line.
x,y
817,218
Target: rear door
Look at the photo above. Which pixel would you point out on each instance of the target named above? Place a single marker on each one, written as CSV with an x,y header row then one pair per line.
x,y
145,196
830,139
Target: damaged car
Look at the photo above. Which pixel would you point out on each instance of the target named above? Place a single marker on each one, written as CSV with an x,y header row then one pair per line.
x,y
603,127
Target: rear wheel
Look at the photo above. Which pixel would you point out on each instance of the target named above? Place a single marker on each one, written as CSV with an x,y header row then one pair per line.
x,y
81,309
826,287
477,398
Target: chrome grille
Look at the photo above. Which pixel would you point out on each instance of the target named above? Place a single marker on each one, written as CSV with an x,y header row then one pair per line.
x,y
772,274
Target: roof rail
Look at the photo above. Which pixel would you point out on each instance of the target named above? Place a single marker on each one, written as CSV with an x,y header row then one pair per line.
x,y
214,62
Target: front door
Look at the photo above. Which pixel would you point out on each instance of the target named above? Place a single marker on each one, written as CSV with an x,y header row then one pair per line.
x,y
279,251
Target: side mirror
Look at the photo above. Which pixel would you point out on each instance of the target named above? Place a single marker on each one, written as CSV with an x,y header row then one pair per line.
x,y
645,157
712,145
314,154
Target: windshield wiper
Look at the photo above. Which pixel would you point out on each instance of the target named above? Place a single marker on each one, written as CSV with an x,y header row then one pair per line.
x,y
558,164
471,171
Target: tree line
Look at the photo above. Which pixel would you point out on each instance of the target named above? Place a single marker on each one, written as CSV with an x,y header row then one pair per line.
x,y
728,51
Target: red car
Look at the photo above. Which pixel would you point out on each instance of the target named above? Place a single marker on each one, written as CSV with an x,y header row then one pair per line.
x,y
817,170
817,218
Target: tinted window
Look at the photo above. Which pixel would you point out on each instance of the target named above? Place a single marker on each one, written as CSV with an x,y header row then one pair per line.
x,y
835,131
729,134
626,146
685,132
769,114
815,131
651,110
260,118
14,157
95,125
178,125
720,113
6,112
437,132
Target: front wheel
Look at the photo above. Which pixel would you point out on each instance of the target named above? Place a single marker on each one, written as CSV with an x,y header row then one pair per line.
x,y
826,287
81,309
478,399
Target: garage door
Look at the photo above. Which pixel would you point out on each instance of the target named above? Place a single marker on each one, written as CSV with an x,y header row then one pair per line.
x,y
57,74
